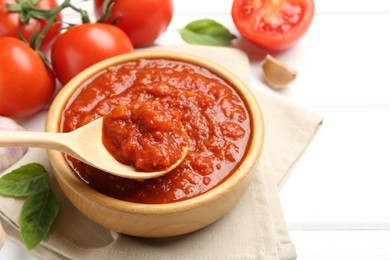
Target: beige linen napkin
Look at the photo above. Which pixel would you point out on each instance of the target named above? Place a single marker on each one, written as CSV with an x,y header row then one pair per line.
x,y
2,236
254,229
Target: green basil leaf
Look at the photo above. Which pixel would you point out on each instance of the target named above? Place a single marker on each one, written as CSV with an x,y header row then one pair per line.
x,y
24,181
41,206
206,32
38,214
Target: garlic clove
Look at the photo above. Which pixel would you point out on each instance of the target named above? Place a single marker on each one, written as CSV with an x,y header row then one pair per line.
x,y
276,73
10,155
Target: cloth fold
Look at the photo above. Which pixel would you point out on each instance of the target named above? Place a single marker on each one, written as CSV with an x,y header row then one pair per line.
x,y
254,229
2,236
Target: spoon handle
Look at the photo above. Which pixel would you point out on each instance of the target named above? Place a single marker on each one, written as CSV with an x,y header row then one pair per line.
x,y
54,141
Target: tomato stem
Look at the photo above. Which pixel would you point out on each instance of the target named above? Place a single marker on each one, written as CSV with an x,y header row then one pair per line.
x,y
28,10
106,10
38,41
82,12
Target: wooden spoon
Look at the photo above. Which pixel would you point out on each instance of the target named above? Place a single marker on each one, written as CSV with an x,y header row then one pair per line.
x,y
84,144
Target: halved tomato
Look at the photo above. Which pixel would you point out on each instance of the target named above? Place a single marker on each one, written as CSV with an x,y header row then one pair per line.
x,y
273,24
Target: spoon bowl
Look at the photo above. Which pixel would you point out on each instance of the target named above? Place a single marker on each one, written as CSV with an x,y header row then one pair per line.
x,y
84,144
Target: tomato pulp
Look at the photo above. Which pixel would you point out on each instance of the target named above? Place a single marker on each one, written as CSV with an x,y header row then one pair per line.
x,y
273,24
212,113
146,135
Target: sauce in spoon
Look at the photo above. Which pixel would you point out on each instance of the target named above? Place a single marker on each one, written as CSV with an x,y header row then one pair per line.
x,y
84,144
145,135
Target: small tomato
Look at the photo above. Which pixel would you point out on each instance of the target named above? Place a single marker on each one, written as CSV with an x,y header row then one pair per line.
x,y
143,21
84,45
10,23
26,84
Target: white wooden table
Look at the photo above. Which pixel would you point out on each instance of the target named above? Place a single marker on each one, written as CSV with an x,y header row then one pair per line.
x,y
337,200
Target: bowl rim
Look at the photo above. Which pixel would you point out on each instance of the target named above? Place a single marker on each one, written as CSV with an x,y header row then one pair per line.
x,y
78,187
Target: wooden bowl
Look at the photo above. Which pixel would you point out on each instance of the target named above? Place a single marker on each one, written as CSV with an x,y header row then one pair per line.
x,y
157,220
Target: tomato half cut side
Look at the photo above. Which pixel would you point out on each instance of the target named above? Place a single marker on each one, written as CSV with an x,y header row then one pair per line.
x,y
273,24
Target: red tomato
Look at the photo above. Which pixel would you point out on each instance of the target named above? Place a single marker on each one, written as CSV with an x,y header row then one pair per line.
x,y
26,84
270,24
84,45
143,21
10,23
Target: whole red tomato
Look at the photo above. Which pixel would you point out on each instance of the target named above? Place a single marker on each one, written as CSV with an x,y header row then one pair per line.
x,y
10,23
84,45
26,84
143,21
273,25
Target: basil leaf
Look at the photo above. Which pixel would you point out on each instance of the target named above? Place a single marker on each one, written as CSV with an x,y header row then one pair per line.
x,y
24,181
37,215
41,206
206,32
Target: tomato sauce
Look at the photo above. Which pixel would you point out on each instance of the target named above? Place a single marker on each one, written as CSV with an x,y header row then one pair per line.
x,y
213,115
145,135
